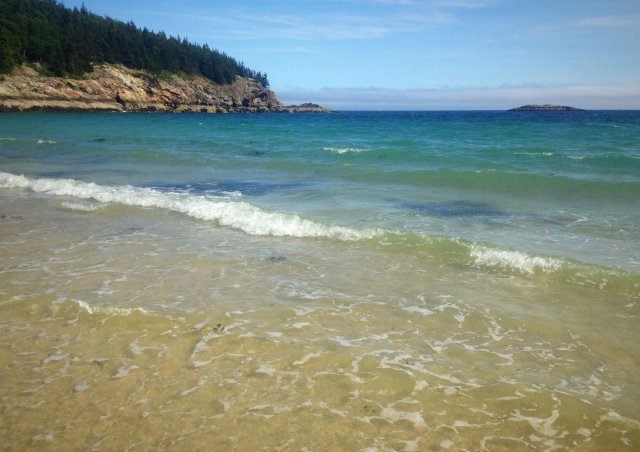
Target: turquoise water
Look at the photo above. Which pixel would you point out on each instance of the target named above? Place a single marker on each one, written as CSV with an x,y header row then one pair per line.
x,y
399,280
554,184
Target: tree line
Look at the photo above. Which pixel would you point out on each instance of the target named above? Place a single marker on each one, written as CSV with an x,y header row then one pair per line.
x,y
66,42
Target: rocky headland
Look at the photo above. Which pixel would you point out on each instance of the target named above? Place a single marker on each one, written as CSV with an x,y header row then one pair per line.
x,y
545,107
117,88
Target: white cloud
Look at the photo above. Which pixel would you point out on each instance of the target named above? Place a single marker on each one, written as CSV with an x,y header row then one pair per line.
x,y
588,97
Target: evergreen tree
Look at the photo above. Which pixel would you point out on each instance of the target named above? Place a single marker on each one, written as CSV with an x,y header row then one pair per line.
x,y
68,41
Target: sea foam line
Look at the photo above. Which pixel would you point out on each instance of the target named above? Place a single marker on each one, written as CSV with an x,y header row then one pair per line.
x,y
344,150
80,207
110,310
237,215
516,260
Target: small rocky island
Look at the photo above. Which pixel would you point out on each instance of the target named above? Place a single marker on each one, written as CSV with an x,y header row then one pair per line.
x,y
306,108
545,107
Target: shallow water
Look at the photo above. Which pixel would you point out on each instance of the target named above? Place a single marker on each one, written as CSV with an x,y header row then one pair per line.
x,y
140,310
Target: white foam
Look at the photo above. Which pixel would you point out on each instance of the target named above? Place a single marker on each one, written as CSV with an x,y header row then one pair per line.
x,y
265,369
344,150
446,444
46,141
543,426
81,207
135,348
533,154
305,359
81,387
202,344
516,260
48,437
232,194
393,415
53,358
111,310
416,309
188,391
8,180
237,215
124,371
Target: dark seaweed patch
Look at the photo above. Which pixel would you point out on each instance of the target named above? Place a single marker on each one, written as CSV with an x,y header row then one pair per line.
x,y
454,209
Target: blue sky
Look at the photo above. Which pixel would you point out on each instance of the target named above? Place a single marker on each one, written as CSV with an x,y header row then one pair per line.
x,y
417,54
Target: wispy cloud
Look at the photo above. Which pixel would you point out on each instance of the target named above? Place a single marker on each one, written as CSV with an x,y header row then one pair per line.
x,y
470,4
289,49
396,2
405,21
296,27
467,4
610,21
332,26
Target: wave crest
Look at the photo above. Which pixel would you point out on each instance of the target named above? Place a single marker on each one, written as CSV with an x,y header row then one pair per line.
x,y
238,215
515,260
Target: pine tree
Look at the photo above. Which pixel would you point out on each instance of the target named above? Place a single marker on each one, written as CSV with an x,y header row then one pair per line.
x,y
68,41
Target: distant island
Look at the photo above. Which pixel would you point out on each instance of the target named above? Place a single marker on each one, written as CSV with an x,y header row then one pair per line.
x,y
545,107
53,58
306,108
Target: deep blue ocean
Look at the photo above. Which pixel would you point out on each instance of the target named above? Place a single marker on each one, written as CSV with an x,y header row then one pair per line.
x,y
383,280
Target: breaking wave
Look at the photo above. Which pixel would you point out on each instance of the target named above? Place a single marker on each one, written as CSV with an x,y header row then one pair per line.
x,y
238,215
243,216
515,260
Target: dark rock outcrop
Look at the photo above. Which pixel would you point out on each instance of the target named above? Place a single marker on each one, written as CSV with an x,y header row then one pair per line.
x,y
305,108
545,107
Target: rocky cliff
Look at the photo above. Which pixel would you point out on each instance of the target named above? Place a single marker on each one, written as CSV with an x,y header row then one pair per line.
x,y
117,88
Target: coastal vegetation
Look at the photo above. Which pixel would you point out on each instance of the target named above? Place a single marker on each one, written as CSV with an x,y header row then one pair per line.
x,y
60,41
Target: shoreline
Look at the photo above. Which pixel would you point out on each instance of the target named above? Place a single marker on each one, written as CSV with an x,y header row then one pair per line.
x,y
105,107
177,281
